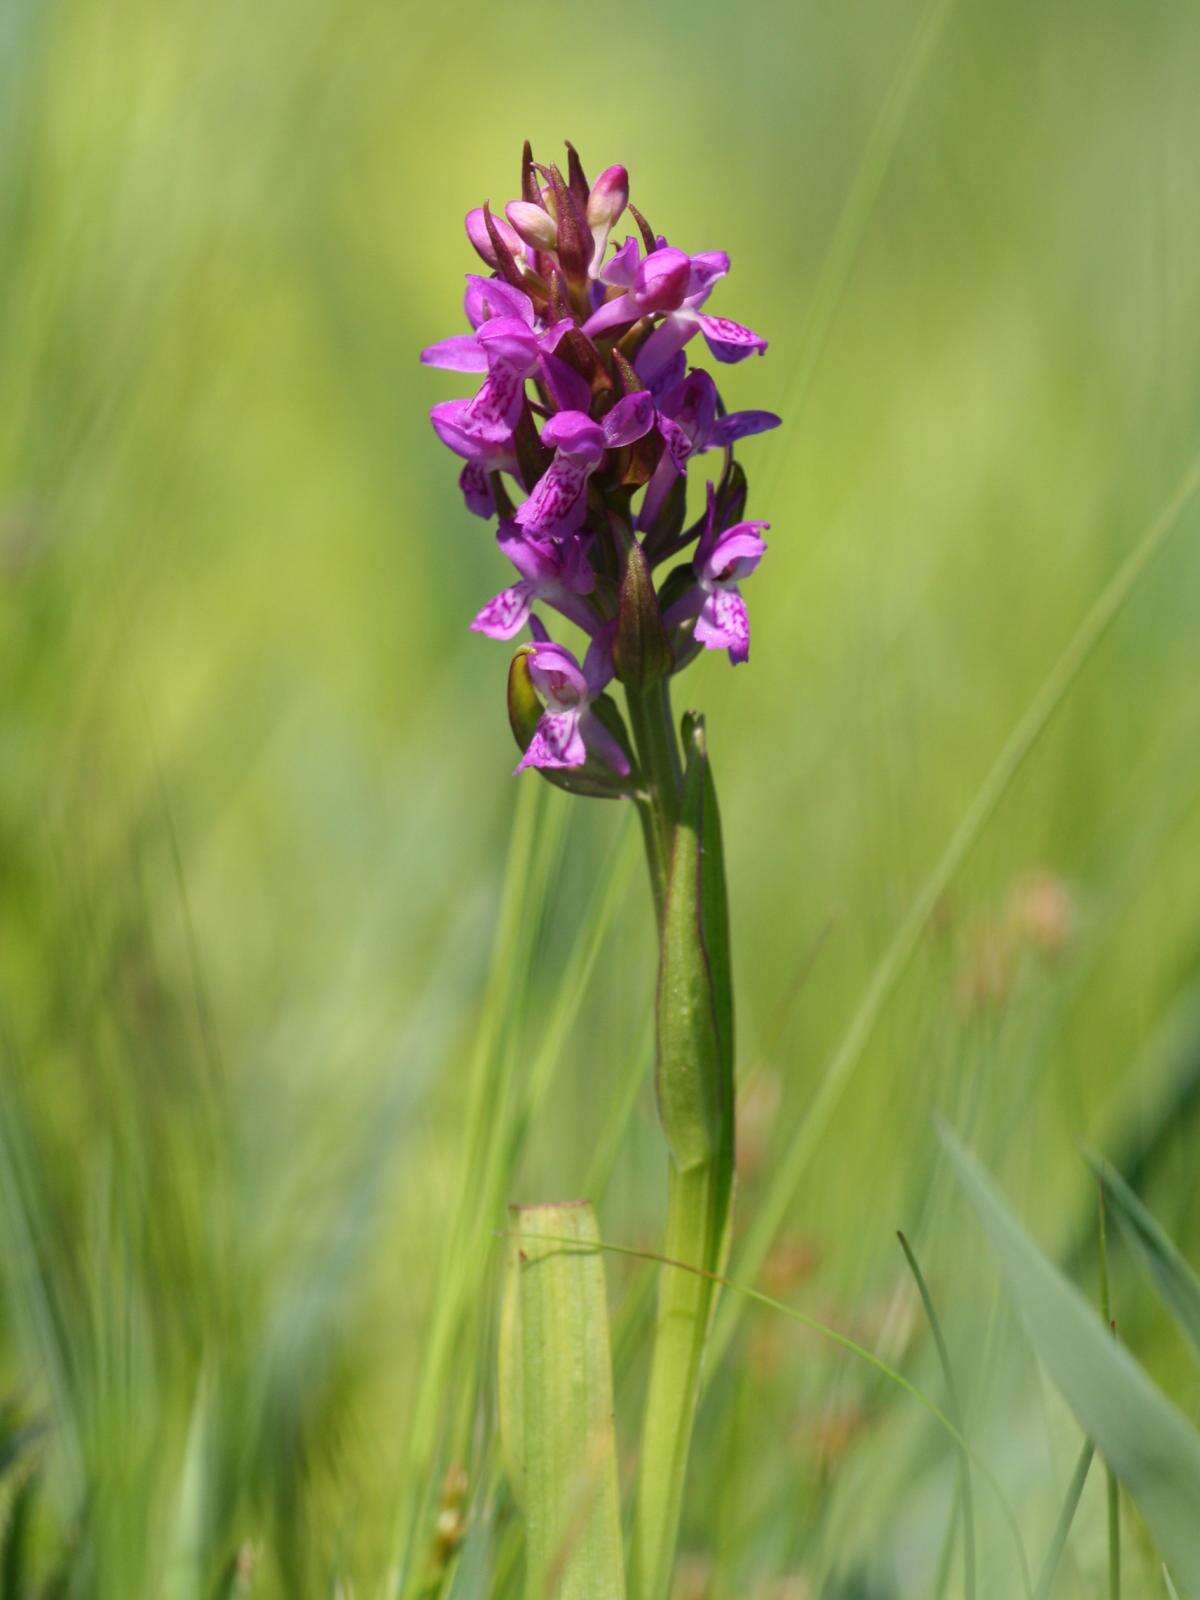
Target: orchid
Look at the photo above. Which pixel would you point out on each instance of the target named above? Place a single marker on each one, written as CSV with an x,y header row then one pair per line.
x,y
582,429
556,571
721,621
669,282
579,439
557,505
691,421
569,730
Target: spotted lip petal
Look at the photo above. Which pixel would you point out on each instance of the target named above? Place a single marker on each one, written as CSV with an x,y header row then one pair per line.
x,y
724,624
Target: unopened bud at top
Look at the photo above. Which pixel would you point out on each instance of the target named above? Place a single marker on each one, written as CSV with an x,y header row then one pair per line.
x,y
477,233
606,202
609,197
533,224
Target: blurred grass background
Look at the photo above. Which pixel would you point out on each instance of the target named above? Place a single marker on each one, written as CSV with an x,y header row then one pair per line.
x,y
298,988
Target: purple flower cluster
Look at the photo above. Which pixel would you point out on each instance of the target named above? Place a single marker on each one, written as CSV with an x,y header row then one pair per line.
x,y
586,402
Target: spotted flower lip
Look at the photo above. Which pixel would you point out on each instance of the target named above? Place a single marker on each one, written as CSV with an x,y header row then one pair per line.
x,y
579,438
558,502
569,730
714,600
557,572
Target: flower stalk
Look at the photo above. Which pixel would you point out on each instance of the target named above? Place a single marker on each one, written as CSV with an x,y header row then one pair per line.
x,y
695,1089
579,441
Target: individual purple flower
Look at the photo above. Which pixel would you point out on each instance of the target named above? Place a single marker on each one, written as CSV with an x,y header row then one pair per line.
x,y
511,348
689,423
556,571
569,730
675,285
722,621
557,504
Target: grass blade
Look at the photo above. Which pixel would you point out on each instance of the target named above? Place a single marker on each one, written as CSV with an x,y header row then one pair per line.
x,y
1150,1445
955,1411
1156,1253
894,963
564,1407
1065,1518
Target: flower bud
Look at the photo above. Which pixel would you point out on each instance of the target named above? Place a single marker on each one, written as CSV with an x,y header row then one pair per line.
x,y
609,197
662,280
477,233
536,227
641,654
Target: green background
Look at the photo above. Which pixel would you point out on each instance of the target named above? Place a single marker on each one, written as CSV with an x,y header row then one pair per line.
x,y
263,1106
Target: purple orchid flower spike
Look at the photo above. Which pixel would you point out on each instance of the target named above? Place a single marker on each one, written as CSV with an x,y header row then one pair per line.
x,y
569,730
689,423
715,601
586,401
580,353
558,503
557,572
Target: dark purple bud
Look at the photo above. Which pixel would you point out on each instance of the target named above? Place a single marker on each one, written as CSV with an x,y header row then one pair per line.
x,y
578,351
628,381
574,237
641,654
532,456
529,184
644,228
506,266
559,300
576,181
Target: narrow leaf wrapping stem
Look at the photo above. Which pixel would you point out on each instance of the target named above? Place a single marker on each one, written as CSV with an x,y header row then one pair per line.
x,y
694,1083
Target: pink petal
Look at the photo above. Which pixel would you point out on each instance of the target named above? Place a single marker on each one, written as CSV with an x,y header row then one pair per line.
x,y
505,614
477,490
557,743
461,352
629,419
724,624
730,341
602,744
488,297
558,503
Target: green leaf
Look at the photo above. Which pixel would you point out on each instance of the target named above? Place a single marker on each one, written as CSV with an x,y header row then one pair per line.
x,y
694,1082
557,1394
1167,1269
694,1075
1147,1442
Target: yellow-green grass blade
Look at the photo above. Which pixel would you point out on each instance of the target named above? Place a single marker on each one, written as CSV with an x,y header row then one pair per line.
x,y
558,1409
1147,1441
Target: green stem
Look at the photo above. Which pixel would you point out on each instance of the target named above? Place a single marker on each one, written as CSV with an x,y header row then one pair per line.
x,y
662,778
697,1212
698,1194
1112,1486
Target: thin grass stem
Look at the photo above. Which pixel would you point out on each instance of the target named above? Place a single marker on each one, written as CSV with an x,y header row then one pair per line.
x,y
956,1414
